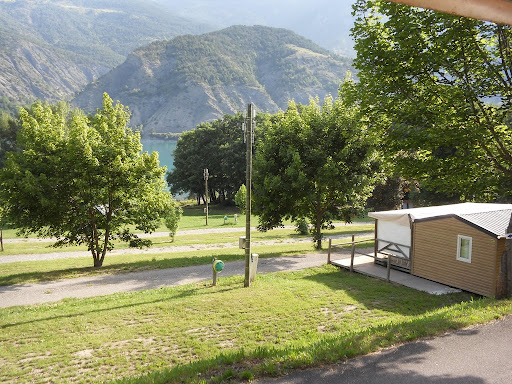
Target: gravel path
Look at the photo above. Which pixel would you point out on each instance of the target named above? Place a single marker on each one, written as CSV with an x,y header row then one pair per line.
x,y
34,293
152,250
25,294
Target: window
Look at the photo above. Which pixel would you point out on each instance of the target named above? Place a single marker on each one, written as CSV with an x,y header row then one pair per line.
x,y
464,245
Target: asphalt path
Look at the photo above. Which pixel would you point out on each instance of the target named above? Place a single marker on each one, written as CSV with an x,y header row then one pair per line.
x,y
476,355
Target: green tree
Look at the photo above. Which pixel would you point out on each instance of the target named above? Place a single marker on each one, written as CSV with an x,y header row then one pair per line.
x,y
9,128
218,146
316,162
83,180
441,86
172,218
241,198
187,175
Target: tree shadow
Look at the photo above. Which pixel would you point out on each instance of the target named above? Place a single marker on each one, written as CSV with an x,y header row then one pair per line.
x,y
373,293
123,268
182,292
117,268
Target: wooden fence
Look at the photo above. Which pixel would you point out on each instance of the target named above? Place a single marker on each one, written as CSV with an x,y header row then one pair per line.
x,y
384,251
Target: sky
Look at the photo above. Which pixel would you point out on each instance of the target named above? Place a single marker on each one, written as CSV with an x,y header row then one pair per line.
x,y
326,22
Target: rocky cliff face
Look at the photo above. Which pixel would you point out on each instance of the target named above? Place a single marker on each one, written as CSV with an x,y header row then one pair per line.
x,y
31,70
51,49
175,85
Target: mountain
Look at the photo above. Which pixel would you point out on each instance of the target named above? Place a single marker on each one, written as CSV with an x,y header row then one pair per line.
x,y
50,49
326,22
174,85
33,70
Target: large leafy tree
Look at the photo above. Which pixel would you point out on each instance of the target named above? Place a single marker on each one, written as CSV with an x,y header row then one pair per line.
x,y
444,85
9,128
83,180
316,162
218,146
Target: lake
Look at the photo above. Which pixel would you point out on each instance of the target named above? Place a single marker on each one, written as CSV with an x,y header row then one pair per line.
x,y
165,149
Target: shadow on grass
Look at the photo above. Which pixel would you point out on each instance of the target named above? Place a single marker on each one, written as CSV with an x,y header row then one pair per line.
x,y
136,266
111,305
213,210
177,262
373,293
268,361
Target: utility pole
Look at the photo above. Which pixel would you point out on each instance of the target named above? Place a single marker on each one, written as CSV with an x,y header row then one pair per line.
x,y
205,175
249,137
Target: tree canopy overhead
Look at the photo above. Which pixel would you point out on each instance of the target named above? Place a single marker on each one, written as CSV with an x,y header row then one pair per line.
x,y
83,180
316,162
444,85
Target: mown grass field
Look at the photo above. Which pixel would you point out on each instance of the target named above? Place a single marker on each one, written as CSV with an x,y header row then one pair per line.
x,y
201,334
198,332
186,250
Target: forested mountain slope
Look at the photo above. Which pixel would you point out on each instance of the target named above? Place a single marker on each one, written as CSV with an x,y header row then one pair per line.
x,y
326,22
174,85
50,49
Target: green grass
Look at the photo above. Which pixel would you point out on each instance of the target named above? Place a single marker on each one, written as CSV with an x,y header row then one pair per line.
x,y
194,218
42,247
49,270
198,332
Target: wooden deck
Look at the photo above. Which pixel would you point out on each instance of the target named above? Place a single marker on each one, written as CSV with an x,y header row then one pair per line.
x,y
365,265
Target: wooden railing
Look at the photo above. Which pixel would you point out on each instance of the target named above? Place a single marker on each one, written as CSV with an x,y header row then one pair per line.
x,y
398,248
386,251
340,245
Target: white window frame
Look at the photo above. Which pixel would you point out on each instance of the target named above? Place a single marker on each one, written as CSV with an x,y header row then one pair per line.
x,y
459,240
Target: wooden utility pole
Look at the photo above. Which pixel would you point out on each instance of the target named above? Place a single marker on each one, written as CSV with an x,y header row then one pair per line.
x,y
248,173
205,174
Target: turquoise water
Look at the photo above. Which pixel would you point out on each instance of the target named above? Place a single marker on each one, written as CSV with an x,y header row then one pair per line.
x,y
165,149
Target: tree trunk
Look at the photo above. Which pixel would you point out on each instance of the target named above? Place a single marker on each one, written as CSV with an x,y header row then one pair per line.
x,y
2,238
98,262
317,234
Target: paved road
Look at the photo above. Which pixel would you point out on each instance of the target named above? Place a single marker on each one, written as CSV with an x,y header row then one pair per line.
x,y
477,355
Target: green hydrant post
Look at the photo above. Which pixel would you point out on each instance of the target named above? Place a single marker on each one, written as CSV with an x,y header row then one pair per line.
x,y
218,266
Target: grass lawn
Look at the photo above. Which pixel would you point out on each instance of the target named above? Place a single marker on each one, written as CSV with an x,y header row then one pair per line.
x,y
194,218
28,246
199,333
49,270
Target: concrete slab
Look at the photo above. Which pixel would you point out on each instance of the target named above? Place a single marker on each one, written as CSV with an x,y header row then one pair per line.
x,y
366,266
